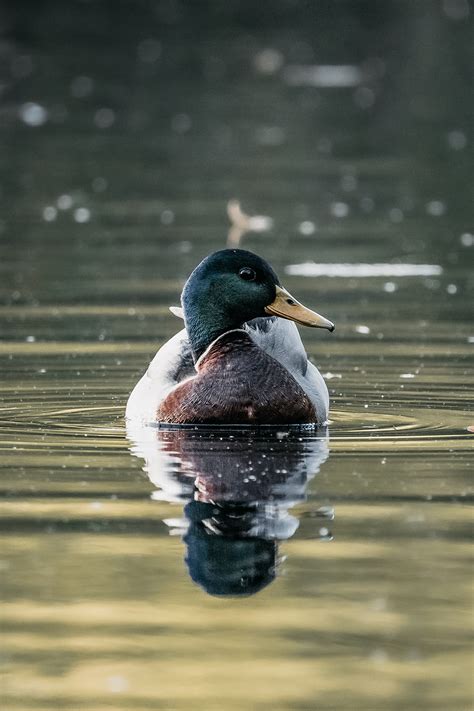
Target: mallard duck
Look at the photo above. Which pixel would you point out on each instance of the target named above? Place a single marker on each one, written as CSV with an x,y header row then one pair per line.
x,y
239,359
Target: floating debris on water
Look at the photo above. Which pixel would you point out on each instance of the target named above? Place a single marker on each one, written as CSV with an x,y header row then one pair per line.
x,y
364,330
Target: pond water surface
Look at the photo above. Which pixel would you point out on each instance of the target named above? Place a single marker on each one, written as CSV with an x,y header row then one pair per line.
x,y
230,570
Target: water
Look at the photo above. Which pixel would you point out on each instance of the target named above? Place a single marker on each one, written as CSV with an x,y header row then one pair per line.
x,y
124,136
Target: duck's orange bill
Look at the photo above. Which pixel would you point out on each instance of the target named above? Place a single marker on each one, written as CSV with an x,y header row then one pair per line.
x,y
286,306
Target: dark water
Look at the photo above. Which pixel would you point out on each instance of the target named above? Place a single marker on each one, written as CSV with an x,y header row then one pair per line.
x,y
125,131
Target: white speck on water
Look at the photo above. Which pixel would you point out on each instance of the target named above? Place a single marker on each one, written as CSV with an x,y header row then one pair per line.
x,y
366,407
348,182
104,118
452,289
395,215
270,135
323,531
149,50
30,339
181,123
268,61
383,460
96,505
379,656
324,145
390,287
64,202
99,184
470,339
379,604
331,376
364,97
33,114
407,376
435,208
307,228
49,213
117,684
81,87
364,330
456,9
467,239
167,217
457,140
339,209
82,215
367,204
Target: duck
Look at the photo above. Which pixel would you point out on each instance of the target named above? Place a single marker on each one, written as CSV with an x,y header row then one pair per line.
x,y
240,359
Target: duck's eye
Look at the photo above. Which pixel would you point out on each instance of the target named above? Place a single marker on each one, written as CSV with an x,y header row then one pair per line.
x,y
248,274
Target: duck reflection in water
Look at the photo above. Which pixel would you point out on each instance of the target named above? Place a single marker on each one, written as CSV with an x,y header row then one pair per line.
x,y
237,490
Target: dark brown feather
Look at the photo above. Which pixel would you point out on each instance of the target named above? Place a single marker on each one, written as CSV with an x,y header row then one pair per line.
x,y
237,383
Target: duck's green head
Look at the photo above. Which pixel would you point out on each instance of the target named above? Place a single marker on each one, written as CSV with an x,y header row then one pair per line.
x,y
233,286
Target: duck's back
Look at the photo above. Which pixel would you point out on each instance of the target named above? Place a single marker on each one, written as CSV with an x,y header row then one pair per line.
x,y
237,383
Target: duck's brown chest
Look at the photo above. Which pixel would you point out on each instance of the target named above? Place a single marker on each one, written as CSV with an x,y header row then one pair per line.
x,y
237,383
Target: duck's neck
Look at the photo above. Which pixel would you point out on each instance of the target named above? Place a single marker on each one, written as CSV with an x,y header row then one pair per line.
x,y
204,326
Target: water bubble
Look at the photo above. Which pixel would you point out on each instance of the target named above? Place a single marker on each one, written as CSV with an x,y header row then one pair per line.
x,y
407,376
324,145
364,330
104,118
390,287
467,239
367,204
452,289
117,684
64,202
456,9
348,183
270,135
395,214
457,140
268,61
307,228
81,87
30,339
364,97
149,50
99,185
339,209
82,215
49,213
181,123
167,217
435,208
33,114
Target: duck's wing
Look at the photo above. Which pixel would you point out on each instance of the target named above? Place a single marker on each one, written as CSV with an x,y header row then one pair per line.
x,y
171,365
280,338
